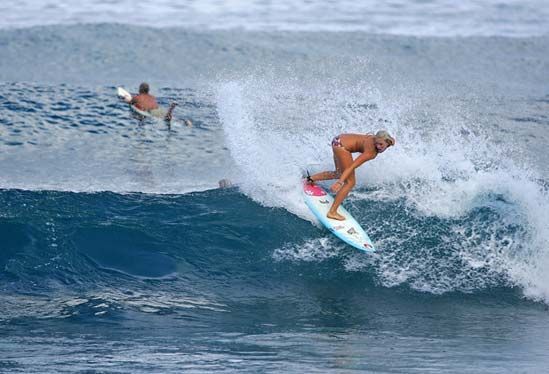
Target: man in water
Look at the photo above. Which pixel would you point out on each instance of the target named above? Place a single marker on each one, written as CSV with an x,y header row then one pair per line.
x,y
147,102
343,146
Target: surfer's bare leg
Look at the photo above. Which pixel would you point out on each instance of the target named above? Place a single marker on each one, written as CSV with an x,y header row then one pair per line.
x,y
325,175
339,197
168,116
343,159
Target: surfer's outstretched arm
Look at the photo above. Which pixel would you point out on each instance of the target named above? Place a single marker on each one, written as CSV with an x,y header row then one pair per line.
x,y
346,182
350,171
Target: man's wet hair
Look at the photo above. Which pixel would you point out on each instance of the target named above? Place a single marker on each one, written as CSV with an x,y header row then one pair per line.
x,y
144,88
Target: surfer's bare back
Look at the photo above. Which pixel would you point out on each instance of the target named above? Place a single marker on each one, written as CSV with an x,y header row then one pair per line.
x,y
343,146
147,102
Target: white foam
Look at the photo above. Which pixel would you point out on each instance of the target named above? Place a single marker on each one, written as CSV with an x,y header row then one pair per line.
x,y
314,250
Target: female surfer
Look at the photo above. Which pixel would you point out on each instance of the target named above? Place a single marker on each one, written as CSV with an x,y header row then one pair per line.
x,y
343,146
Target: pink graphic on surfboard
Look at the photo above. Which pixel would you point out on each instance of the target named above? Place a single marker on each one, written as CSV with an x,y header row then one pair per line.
x,y
313,190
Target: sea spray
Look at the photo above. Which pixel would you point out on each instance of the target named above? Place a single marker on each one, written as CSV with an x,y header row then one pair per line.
x,y
464,216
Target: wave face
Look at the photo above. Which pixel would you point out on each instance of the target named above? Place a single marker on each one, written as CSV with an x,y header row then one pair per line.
x,y
119,249
213,278
82,240
402,17
85,239
211,243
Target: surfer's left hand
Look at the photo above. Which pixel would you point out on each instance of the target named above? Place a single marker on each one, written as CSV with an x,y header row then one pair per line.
x,y
336,186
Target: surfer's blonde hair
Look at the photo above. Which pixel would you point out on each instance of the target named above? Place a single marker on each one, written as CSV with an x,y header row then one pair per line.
x,y
383,134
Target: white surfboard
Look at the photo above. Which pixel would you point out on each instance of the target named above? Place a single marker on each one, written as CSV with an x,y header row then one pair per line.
x,y
123,94
319,202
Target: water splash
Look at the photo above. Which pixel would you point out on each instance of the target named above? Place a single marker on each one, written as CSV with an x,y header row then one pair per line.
x,y
469,216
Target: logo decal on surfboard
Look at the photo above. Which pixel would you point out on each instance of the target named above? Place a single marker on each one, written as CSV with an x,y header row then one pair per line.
x,y
313,190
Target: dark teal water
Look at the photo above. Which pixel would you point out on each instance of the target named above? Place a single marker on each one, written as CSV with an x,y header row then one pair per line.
x,y
131,283
136,282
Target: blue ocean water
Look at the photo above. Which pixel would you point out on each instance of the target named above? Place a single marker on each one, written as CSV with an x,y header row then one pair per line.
x,y
399,17
119,253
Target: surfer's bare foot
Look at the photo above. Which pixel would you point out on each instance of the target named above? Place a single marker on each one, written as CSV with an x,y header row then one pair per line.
x,y
335,215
